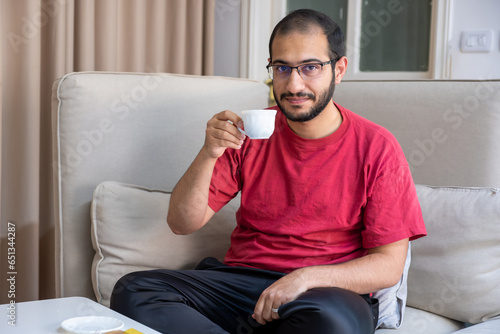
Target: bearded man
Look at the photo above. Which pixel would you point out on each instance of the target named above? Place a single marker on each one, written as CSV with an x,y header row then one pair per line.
x,y
328,207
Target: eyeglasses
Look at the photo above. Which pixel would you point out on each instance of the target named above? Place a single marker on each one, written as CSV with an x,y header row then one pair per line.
x,y
307,71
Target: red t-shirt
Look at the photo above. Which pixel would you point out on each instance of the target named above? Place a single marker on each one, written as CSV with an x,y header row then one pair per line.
x,y
313,202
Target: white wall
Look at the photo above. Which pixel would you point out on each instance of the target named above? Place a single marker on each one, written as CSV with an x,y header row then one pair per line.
x,y
474,15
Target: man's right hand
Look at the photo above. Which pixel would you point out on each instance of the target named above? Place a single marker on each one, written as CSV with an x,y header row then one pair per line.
x,y
222,133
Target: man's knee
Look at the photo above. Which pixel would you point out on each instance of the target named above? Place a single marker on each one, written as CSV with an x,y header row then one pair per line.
x,y
125,289
130,282
142,287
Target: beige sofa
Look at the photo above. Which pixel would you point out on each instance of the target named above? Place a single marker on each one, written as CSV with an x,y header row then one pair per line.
x,y
121,141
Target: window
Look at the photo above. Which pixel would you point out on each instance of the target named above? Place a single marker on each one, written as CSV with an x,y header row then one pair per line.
x,y
385,39
395,35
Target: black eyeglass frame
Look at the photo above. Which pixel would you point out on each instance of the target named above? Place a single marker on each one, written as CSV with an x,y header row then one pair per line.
x,y
331,61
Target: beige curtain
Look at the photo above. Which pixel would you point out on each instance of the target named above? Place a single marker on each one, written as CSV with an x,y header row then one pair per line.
x,y
41,41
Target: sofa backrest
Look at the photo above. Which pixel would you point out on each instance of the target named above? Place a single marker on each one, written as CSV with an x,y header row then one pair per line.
x,y
449,130
142,129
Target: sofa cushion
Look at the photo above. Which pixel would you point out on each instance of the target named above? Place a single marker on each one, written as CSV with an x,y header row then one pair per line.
x,y
455,270
130,233
491,326
422,322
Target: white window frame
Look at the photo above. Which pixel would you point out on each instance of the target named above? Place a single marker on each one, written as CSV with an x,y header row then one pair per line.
x,y
258,17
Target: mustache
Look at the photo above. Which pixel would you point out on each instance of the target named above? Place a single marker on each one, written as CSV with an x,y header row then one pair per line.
x,y
300,94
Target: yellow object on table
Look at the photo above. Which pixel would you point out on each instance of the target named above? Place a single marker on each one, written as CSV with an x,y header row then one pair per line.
x,y
128,331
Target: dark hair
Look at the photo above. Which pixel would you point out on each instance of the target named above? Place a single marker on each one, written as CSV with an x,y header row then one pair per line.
x,y
302,20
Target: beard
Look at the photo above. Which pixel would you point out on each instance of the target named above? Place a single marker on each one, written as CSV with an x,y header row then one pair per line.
x,y
316,109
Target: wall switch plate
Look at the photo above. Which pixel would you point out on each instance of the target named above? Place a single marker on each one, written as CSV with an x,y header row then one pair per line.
x,y
476,41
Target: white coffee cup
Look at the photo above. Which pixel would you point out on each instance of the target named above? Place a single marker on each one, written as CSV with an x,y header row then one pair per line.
x,y
258,124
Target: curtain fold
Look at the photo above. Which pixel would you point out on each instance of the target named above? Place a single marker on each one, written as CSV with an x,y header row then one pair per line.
x,y
43,40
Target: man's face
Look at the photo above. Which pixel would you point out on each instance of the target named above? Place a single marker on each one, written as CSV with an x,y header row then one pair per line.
x,y
300,99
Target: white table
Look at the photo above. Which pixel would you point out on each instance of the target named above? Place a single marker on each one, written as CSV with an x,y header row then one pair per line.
x,y
45,316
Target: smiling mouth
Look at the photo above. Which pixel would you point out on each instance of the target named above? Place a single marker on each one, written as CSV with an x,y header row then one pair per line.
x,y
297,99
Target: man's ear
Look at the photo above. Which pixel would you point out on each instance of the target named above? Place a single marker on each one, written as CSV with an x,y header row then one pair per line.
x,y
340,69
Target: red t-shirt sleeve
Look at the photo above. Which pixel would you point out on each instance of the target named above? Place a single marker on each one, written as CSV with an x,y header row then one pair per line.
x,y
226,181
392,211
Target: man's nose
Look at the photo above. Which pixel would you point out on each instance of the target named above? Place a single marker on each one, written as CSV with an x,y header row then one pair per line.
x,y
295,82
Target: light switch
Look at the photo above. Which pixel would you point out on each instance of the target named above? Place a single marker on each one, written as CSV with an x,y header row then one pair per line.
x,y
476,41
470,42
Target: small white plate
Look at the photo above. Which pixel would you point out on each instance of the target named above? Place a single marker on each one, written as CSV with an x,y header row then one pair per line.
x,y
91,325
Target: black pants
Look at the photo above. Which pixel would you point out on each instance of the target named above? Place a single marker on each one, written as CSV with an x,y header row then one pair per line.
x,y
215,298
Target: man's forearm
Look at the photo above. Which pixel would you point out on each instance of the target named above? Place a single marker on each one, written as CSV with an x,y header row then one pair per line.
x,y
189,200
364,275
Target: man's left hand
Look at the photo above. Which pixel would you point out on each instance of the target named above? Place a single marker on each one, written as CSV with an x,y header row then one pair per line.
x,y
282,291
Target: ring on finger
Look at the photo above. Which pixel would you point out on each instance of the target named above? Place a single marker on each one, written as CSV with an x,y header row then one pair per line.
x,y
274,310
